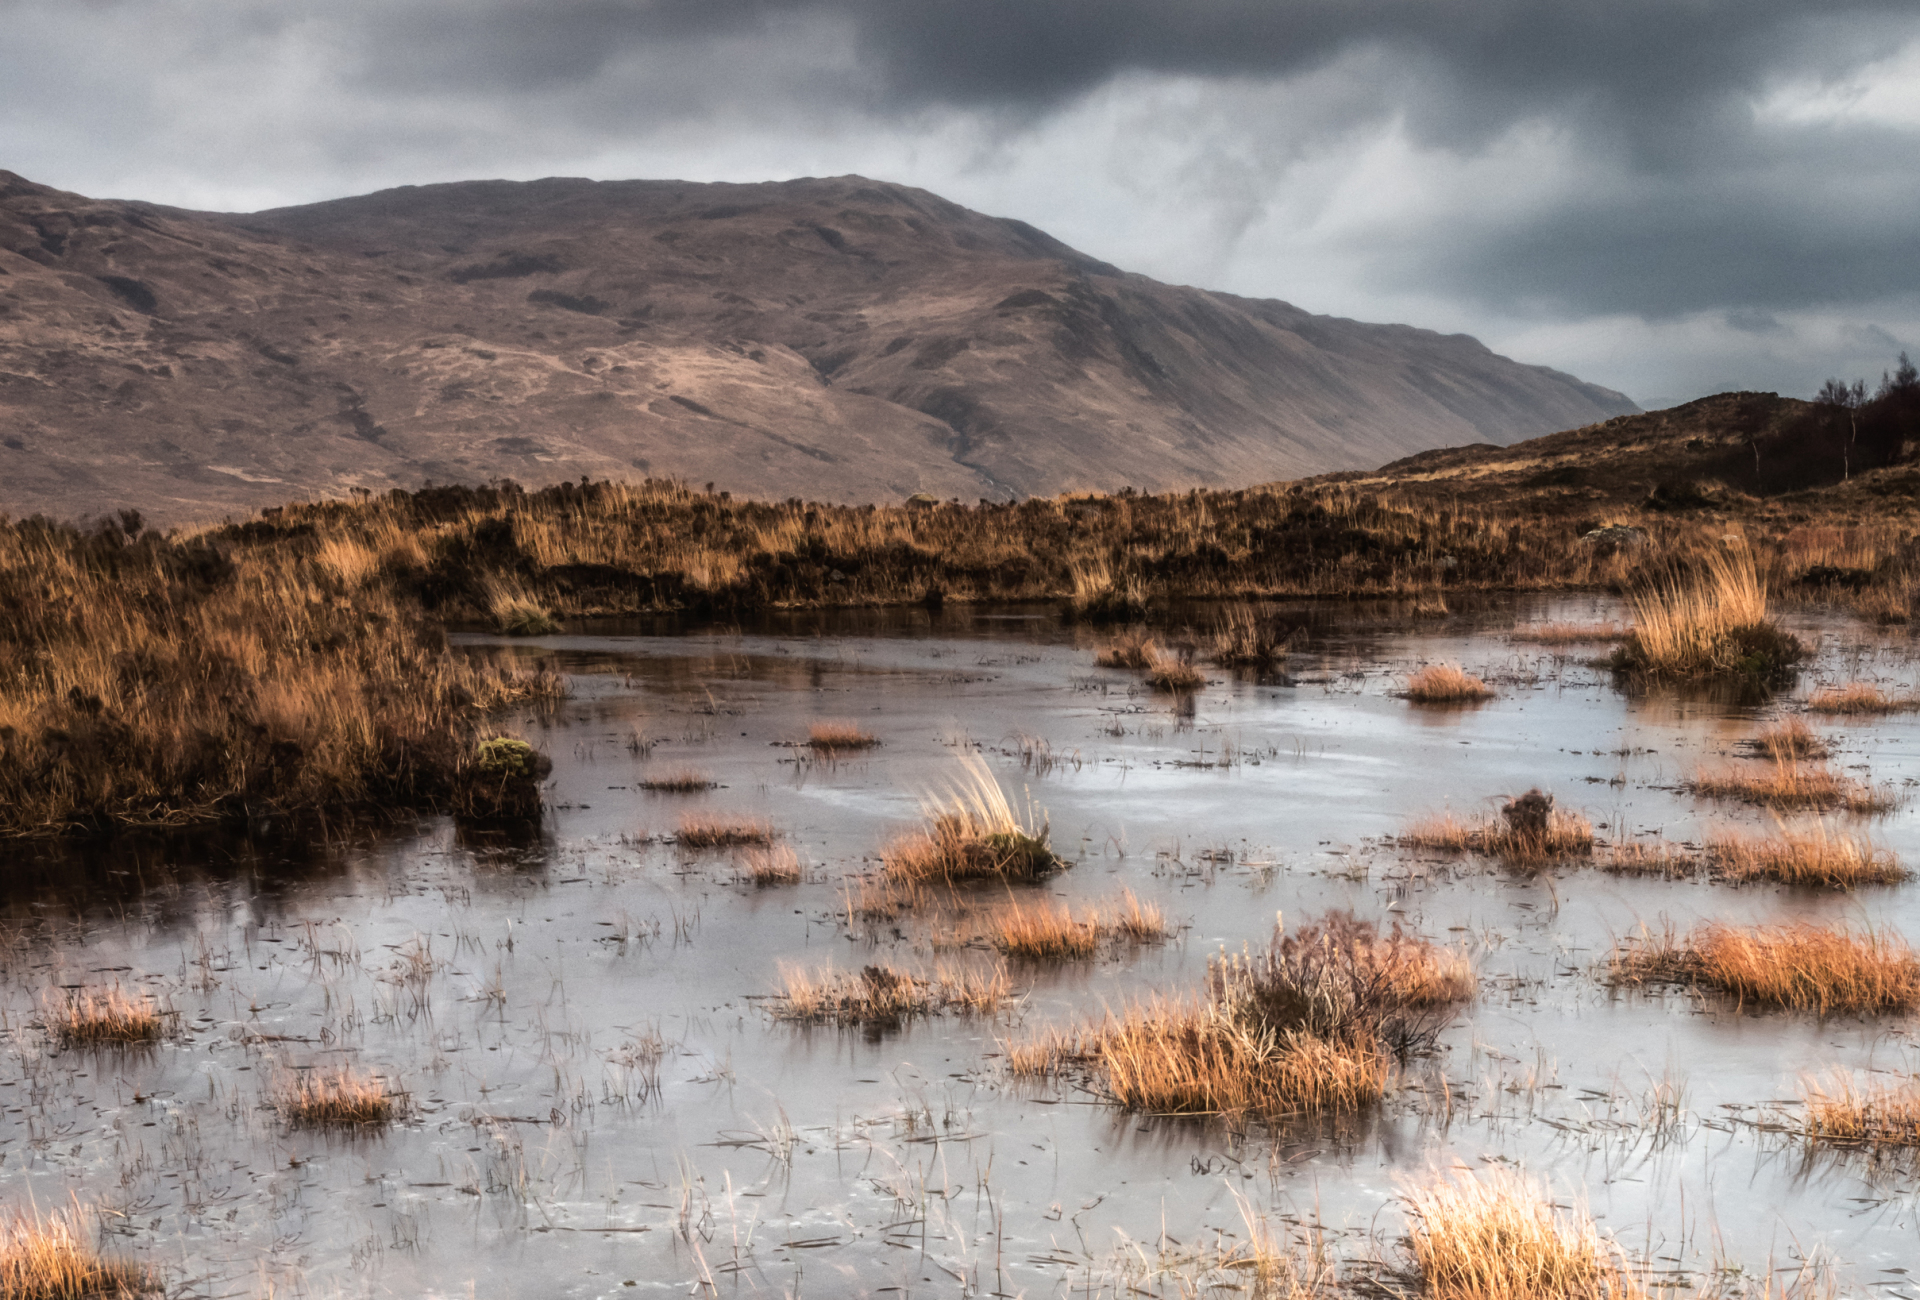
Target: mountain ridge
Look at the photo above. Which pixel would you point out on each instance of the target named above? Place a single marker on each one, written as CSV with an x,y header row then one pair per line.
x,y
837,339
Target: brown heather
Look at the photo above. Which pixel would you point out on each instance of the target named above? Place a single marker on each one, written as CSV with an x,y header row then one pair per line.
x,y
338,1098
1446,684
1492,1235
1858,699
1840,1111
52,1259
1801,966
91,1017
1816,856
151,681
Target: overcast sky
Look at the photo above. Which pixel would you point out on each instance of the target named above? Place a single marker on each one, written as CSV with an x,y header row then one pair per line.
x,y
1671,197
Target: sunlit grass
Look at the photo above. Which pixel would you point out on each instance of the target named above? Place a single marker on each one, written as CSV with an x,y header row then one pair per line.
x,y
1791,740
972,834
1814,856
834,737
1446,684
52,1258
91,1017
1839,1110
885,995
699,831
683,781
1797,966
1792,786
1493,1235
1858,699
1567,633
767,865
1709,620
336,1098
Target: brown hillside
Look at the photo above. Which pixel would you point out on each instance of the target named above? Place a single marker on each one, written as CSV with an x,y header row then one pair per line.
x,y
832,339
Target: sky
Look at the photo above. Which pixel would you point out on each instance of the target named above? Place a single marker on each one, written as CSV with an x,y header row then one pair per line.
x,y
1669,197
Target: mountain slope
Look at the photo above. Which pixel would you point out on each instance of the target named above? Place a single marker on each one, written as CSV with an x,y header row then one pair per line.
x,y
836,339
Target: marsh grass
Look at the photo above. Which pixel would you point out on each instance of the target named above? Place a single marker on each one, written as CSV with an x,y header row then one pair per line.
x,y
835,737
515,612
1708,620
1789,740
1859,699
885,995
1173,673
1529,832
1052,932
1841,1111
767,865
1567,633
1816,856
147,681
1242,638
1792,786
972,834
103,1017
1134,648
1445,684
1098,595
699,831
52,1258
684,781
1650,858
337,1098
1798,966
1493,1235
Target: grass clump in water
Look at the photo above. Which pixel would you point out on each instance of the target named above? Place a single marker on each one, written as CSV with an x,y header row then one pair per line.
x,y
1567,633
1859,699
1840,1111
1243,639
833,737
684,781
1817,857
1099,596
702,832
1711,623
1173,673
502,779
1446,684
99,1017
1492,1235
1790,740
1796,967
885,995
51,1259
1530,831
339,1098
1791,786
1051,932
771,865
1133,649
973,835
516,613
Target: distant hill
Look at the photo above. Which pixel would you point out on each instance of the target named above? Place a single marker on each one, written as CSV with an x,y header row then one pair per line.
x,y
842,340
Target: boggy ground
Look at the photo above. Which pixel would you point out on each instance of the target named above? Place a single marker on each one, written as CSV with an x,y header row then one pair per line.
x,y
593,1080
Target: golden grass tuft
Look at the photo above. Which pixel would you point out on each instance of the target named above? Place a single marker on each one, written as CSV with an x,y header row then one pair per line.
x,y
1791,740
886,995
1242,638
99,1017
684,781
1840,1111
1173,673
1709,621
338,1098
702,832
1492,1235
767,865
1530,831
835,737
1857,699
1446,684
1134,648
1567,633
1051,932
1650,858
52,1259
1793,786
1817,856
1799,966
972,835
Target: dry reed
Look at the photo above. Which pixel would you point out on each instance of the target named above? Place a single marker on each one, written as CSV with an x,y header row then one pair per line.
x,y
1798,966
1445,684
684,781
702,832
1173,673
1790,740
1051,931
1858,699
1242,638
1789,786
1816,856
1492,1235
1656,858
972,834
833,737
768,865
338,1098
1529,831
1708,621
885,995
51,1259
1840,1111
95,1017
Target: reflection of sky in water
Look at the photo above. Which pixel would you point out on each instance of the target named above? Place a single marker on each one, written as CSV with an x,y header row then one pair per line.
x,y
854,1162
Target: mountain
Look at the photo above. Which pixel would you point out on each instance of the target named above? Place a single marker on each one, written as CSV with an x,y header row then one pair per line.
x,y
840,339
